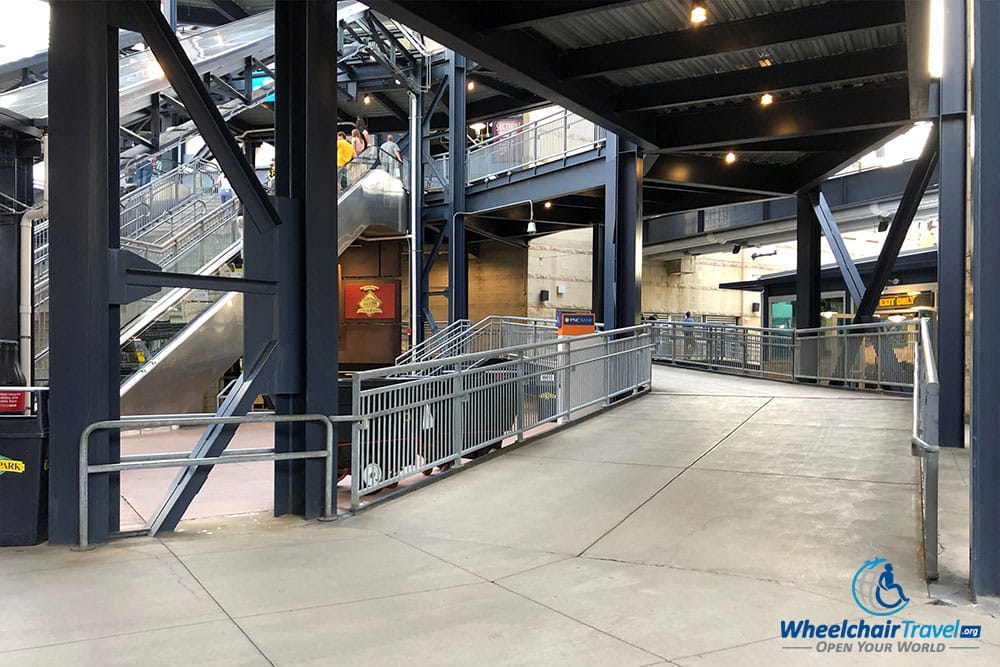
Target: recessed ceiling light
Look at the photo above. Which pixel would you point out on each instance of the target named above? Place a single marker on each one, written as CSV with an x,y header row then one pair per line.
x,y
548,204
698,12
730,157
766,99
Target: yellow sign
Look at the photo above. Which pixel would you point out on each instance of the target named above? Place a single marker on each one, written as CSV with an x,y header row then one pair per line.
x,y
897,300
369,304
10,465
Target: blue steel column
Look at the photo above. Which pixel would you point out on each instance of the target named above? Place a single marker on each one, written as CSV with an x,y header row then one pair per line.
x,y
290,26
807,283
608,307
629,242
83,161
952,221
985,418
458,267
320,299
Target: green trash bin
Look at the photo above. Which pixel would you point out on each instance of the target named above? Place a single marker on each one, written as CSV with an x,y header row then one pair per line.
x,y
24,476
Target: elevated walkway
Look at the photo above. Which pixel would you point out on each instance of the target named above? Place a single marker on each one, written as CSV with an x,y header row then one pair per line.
x,y
681,527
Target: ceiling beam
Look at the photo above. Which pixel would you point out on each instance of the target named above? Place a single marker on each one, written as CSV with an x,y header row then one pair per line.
x,y
846,67
752,33
519,59
517,15
230,9
713,173
829,113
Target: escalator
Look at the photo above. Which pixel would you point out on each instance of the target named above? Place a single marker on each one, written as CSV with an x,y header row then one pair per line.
x,y
218,51
193,336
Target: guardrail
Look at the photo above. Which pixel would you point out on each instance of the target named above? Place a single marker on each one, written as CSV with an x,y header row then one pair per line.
x,y
924,442
490,333
183,459
867,356
436,413
539,142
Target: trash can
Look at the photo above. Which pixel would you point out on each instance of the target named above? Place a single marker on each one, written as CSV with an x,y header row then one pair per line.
x,y
24,476
540,392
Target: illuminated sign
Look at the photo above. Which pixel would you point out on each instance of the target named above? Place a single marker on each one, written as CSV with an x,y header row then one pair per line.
x,y
905,300
575,324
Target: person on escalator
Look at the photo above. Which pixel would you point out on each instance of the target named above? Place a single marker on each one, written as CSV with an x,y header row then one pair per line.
x,y
390,156
345,153
358,142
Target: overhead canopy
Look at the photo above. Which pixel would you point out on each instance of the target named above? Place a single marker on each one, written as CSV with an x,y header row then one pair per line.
x,y
843,77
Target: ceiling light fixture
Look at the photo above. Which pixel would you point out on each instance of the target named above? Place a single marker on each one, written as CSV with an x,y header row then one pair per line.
x,y
470,86
766,99
532,227
730,157
367,99
698,12
765,61
548,204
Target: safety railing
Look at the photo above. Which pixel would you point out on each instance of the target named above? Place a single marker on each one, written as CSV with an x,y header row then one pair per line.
x,y
490,333
876,356
546,140
200,248
925,443
168,201
437,413
428,348
184,459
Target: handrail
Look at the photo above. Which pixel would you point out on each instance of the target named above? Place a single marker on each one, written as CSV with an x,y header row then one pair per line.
x,y
924,442
146,461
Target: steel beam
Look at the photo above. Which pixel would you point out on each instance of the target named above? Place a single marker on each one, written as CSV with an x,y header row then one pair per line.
x,y
952,221
458,268
852,279
609,270
184,79
807,285
868,107
319,347
729,36
418,287
519,59
83,175
985,426
923,169
807,293
848,67
629,236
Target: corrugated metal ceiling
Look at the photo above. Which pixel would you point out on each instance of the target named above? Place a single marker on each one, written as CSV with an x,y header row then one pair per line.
x,y
652,18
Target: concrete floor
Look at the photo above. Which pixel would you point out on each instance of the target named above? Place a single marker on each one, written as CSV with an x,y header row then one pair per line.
x,y
680,528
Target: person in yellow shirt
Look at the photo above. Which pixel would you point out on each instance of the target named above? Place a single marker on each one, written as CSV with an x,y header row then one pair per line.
x,y
345,153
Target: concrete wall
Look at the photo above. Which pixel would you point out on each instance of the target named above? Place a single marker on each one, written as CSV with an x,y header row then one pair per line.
x,y
496,282
560,262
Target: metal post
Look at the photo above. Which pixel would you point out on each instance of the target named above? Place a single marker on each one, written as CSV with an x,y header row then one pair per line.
x,y
457,414
458,268
417,288
320,348
952,216
609,270
83,164
629,241
807,294
985,427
